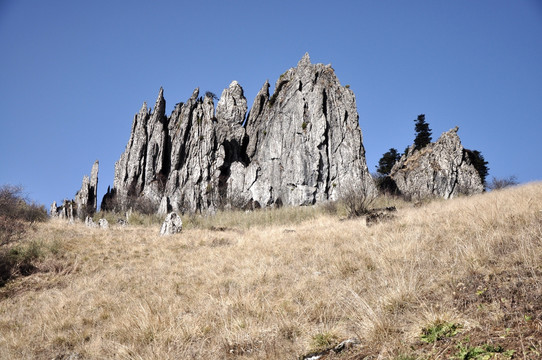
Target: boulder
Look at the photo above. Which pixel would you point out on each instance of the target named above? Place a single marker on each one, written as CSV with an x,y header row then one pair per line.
x,y
103,224
172,224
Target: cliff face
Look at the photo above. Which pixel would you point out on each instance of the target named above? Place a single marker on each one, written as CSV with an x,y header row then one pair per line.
x,y
300,146
442,169
304,141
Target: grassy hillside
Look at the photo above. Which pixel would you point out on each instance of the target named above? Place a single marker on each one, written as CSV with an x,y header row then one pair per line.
x,y
450,279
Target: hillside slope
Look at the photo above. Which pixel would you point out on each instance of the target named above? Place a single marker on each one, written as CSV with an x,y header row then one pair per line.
x,y
264,285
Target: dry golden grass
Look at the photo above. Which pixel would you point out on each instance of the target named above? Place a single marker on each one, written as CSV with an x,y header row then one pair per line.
x,y
279,284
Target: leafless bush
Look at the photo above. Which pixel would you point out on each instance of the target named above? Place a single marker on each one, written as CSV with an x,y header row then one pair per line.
x,y
502,183
357,201
17,214
141,205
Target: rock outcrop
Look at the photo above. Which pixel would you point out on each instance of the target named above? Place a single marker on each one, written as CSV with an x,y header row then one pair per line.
x,y
441,169
305,143
64,211
85,202
86,198
300,146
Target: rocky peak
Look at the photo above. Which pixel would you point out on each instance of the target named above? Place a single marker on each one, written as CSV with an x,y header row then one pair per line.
x,y
441,169
304,137
86,198
305,61
299,146
232,106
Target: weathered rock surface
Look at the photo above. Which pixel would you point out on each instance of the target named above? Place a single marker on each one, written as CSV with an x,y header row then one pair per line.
x,y
86,197
64,211
305,143
441,169
85,202
172,224
300,146
103,224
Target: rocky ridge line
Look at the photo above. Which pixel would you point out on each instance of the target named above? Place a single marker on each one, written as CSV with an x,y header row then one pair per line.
x,y
300,146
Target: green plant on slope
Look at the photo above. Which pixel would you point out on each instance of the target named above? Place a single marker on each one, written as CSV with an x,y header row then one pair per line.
x,y
486,352
322,341
438,331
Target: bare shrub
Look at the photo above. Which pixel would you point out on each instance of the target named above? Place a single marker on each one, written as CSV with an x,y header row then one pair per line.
x,y
17,214
142,205
357,201
501,183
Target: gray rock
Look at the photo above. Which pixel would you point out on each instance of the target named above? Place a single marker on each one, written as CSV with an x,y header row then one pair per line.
x,y
90,223
305,142
164,207
65,211
300,146
130,168
103,224
86,197
54,210
441,169
172,224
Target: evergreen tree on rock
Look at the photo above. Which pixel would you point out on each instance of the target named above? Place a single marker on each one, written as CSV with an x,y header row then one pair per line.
x,y
423,133
387,161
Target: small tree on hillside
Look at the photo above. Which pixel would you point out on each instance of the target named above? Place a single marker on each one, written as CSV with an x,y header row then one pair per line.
x,y
386,162
480,164
423,133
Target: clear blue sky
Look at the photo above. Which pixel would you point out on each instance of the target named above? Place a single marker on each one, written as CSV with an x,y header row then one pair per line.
x,y
73,73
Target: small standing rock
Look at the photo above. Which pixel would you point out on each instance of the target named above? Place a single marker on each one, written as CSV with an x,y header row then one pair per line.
x,y
89,222
103,224
172,224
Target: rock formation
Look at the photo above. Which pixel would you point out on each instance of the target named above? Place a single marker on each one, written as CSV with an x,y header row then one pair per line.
x,y
86,197
300,146
441,169
64,211
172,224
304,141
85,201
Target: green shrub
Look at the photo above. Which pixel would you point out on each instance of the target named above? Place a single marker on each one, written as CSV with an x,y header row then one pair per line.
x,y
439,331
323,341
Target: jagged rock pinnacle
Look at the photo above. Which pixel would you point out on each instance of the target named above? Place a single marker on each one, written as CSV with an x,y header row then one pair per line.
x,y
305,60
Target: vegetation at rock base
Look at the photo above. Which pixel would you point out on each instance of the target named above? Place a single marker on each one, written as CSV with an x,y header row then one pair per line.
x,y
278,284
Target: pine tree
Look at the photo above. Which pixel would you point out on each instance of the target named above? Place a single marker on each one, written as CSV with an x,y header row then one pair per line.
x,y
423,133
387,161
479,163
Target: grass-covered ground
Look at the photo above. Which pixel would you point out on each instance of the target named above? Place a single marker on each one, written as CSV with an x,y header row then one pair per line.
x,y
457,279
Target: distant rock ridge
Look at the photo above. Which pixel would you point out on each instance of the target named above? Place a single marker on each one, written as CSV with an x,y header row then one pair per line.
x,y
441,169
85,202
300,146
